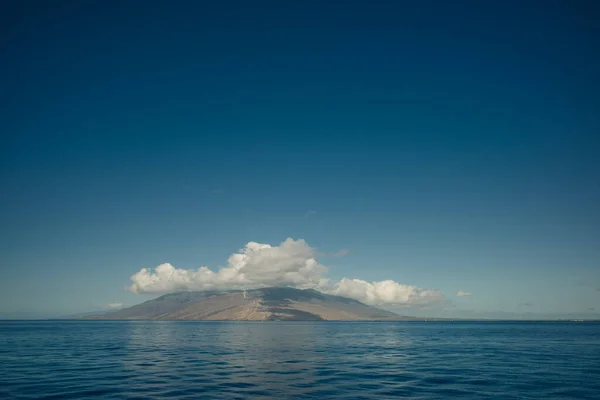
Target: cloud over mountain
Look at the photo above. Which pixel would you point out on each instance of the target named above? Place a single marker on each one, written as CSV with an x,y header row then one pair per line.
x,y
385,292
292,263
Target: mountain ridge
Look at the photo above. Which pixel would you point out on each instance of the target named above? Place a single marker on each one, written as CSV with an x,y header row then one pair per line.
x,y
265,304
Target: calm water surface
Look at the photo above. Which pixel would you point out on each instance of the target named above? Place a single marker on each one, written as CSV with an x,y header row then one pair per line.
x,y
297,360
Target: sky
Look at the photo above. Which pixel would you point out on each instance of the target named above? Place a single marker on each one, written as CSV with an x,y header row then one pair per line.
x,y
437,158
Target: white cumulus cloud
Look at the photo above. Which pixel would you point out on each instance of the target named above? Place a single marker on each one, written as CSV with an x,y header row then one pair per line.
x,y
385,292
291,263
462,294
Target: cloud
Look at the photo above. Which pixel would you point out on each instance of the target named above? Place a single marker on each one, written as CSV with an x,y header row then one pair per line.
x,y
460,293
385,292
291,263
113,306
341,253
309,214
591,309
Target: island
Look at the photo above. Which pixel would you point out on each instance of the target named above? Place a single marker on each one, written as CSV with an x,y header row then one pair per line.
x,y
266,304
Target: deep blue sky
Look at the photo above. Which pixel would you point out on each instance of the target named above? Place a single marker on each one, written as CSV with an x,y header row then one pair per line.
x,y
446,144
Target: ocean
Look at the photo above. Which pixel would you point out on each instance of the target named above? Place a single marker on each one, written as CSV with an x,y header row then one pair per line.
x,y
298,360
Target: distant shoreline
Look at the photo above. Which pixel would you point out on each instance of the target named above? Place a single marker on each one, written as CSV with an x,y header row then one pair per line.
x,y
313,321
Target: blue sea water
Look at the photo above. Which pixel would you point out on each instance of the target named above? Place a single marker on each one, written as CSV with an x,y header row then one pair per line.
x,y
298,360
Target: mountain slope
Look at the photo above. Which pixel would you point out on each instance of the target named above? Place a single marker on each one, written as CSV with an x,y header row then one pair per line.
x,y
258,305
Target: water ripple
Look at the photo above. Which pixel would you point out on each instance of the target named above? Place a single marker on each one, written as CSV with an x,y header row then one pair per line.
x,y
294,360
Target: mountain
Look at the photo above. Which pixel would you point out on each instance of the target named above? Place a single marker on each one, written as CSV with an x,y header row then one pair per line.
x,y
267,304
